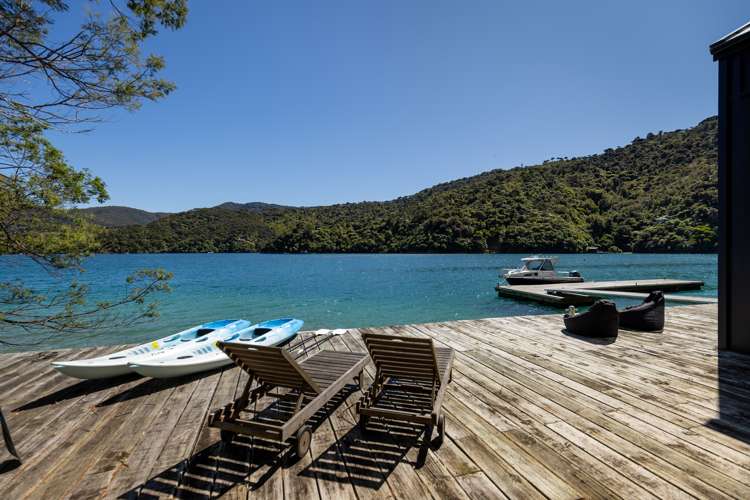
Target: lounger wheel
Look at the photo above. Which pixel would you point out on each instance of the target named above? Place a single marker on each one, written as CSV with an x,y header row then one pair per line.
x,y
303,438
227,436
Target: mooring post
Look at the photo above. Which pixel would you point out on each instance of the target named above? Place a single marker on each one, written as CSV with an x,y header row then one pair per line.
x,y
9,458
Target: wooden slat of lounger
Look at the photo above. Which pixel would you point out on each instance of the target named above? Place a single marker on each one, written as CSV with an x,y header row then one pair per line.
x,y
405,369
411,360
328,362
402,374
397,345
270,365
426,364
322,369
418,352
335,355
343,357
444,357
402,344
326,365
402,358
405,366
264,373
260,368
271,362
258,364
406,340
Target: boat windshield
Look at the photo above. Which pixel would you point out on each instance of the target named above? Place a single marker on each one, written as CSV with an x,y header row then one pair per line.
x,y
539,265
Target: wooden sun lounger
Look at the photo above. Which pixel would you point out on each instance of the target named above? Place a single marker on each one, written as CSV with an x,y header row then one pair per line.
x,y
410,381
313,383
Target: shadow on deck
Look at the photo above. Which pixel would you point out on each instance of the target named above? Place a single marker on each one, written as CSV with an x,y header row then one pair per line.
x,y
734,396
147,387
247,460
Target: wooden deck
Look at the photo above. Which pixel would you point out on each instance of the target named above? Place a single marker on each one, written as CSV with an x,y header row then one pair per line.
x,y
538,293
531,413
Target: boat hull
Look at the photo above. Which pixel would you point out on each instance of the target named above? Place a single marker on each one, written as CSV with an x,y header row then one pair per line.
x,y
82,370
156,370
532,280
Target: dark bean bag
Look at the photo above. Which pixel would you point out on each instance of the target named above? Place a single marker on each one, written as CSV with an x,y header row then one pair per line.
x,y
648,316
601,320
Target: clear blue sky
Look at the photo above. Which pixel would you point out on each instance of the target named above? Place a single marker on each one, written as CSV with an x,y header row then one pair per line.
x,y
308,103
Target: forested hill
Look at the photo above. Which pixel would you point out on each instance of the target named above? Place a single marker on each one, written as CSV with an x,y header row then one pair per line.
x,y
114,216
658,193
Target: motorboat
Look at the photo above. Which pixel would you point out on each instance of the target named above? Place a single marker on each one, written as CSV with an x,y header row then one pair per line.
x,y
539,270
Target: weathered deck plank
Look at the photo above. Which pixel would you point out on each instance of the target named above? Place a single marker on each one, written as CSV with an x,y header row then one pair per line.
x,y
531,413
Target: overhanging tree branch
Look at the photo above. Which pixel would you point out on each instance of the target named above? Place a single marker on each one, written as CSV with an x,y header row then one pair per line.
x,y
61,84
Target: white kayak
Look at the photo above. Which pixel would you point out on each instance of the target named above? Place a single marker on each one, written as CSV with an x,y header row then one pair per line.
x,y
117,363
199,356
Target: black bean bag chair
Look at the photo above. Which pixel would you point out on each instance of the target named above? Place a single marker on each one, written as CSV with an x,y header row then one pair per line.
x,y
648,317
601,320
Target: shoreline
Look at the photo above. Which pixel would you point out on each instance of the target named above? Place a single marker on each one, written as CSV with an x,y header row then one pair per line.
x,y
509,252
302,333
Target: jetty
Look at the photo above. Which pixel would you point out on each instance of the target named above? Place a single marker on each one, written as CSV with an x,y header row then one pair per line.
x,y
531,413
555,294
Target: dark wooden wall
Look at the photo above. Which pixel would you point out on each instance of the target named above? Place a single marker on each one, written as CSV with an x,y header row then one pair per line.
x,y
734,197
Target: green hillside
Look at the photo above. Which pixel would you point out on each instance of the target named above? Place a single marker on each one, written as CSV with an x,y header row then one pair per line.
x,y
115,216
658,193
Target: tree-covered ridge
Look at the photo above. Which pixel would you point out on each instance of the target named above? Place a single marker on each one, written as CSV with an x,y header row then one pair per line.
x,y
114,216
658,193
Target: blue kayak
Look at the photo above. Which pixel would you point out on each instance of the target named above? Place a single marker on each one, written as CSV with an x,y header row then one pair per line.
x,y
200,355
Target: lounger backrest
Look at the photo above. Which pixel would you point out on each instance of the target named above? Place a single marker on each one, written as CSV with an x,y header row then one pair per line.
x,y
271,365
406,357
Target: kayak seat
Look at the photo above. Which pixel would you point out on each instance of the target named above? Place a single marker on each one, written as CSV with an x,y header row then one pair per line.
x,y
258,332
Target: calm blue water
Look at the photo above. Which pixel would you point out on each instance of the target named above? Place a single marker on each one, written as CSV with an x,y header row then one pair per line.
x,y
333,291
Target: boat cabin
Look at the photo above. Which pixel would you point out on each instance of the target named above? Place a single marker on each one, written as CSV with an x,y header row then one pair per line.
x,y
539,263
